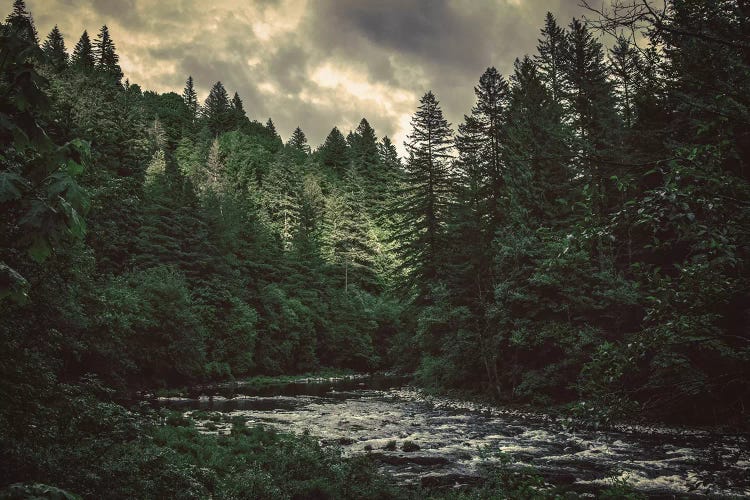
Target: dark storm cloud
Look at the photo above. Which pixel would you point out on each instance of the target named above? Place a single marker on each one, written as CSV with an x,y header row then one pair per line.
x,y
315,63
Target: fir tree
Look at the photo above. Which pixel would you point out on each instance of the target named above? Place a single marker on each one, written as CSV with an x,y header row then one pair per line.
x,y
190,97
216,109
54,50
591,102
271,128
349,240
389,158
426,196
489,120
83,53
20,20
552,47
625,62
537,152
334,153
237,106
298,141
364,151
105,56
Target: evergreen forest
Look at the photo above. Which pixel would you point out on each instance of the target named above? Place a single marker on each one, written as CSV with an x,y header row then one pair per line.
x,y
578,243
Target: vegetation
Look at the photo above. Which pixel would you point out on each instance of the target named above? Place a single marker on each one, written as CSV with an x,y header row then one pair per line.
x,y
148,241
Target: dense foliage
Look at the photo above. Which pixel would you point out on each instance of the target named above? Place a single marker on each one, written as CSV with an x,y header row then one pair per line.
x,y
582,238
605,193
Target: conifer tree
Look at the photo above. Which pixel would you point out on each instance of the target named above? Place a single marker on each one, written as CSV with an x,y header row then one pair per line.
x,y
237,106
389,158
488,122
298,141
237,112
216,109
190,97
21,21
551,48
624,60
105,56
334,153
271,128
54,50
364,151
537,151
349,240
591,102
83,53
425,198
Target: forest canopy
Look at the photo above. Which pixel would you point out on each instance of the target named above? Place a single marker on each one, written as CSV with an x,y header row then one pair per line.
x,y
579,240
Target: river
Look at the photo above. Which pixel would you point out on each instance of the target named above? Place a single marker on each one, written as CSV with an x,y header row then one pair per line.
x,y
457,441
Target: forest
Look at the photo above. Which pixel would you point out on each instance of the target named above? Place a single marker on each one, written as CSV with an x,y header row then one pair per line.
x,y
578,242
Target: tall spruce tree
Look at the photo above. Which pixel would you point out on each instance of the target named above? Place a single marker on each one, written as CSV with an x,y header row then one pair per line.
x,y
334,153
83,53
349,240
364,151
22,23
592,106
551,48
624,59
190,97
488,121
217,110
271,128
105,56
425,199
537,151
298,141
389,158
54,50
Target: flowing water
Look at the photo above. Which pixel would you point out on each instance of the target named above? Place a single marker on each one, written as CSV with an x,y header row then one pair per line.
x,y
459,441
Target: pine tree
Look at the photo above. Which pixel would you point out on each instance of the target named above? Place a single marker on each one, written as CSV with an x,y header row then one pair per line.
x,y
83,53
591,102
625,62
334,153
190,97
309,220
488,120
364,152
425,199
271,128
280,197
389,158
237,106
298,141
552,47
349,240
537,152
21,21
105,56
237,112
216,109
54,50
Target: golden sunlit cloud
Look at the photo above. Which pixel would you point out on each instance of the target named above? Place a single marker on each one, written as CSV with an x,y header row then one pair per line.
x,y
318,63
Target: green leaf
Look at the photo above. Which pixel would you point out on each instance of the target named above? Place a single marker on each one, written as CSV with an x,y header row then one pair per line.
x,y
9,186
40,249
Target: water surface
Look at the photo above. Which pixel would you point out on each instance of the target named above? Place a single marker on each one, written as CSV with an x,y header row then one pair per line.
x,y
459,441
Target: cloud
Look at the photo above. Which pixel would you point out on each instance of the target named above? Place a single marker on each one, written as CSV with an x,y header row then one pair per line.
x,y
315,63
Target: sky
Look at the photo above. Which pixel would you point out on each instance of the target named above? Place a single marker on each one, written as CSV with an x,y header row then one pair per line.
x,y
315,63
